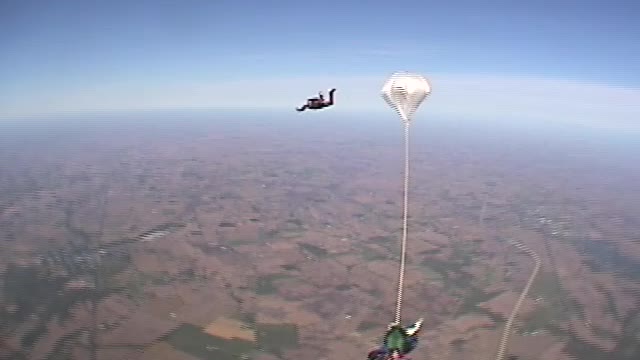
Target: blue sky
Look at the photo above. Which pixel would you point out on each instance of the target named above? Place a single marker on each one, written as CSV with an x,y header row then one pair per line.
x,y
541,59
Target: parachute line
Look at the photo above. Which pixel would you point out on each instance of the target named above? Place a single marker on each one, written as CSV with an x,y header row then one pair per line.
x,y
405,218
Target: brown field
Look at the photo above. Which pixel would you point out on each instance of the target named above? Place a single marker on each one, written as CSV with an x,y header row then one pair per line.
x,y
302,227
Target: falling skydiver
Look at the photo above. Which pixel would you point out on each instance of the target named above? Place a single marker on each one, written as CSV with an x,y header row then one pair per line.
x,y
316,103
398,342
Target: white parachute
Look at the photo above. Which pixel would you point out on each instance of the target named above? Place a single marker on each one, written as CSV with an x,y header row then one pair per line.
x,y
404,92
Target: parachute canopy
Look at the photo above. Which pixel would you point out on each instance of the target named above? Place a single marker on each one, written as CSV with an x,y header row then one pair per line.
x,y
404,92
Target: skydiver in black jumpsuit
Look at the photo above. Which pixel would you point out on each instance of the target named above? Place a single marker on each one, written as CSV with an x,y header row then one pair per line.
x,y
319,102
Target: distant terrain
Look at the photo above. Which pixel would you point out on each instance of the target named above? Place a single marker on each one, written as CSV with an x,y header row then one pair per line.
x,y
230,240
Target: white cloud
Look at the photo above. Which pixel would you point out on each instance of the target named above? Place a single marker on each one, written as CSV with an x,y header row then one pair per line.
x,y
480,97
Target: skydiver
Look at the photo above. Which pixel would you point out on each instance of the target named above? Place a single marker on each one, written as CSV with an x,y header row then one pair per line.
x,y
398,342
316,103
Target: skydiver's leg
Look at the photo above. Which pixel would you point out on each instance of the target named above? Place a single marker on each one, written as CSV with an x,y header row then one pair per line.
x,y
303,108
331,96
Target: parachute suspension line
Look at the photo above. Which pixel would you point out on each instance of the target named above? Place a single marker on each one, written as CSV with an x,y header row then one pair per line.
x,y
502,347
405,218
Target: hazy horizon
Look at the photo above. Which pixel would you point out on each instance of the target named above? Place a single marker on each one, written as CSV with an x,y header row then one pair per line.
x,y
573,62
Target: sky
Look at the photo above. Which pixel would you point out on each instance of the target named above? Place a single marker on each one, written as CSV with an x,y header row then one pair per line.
x,y
542,60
